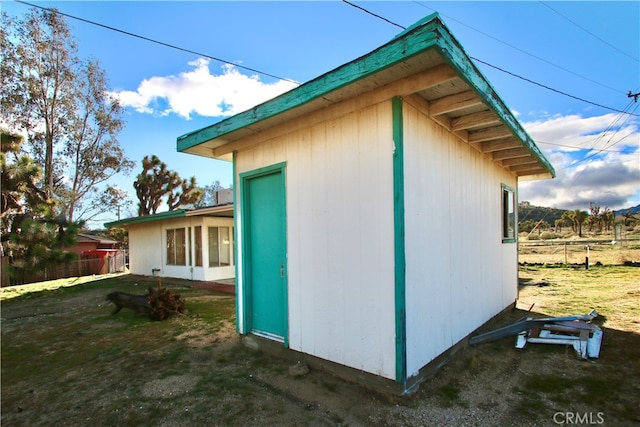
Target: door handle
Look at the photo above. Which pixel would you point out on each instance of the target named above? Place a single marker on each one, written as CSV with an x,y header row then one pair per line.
x,y
282,270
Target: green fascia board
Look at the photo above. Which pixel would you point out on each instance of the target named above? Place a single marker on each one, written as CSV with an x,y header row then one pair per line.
x,y
455,55
426,34
147,218
385,56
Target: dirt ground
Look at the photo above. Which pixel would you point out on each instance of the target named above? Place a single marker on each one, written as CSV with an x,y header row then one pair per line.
x,y
67,361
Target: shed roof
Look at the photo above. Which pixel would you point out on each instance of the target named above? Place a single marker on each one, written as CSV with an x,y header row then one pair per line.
x,y
224,210
424,63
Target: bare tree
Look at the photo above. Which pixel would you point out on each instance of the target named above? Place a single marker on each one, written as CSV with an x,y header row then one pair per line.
x,y
39,76
209,194
93,146
60,102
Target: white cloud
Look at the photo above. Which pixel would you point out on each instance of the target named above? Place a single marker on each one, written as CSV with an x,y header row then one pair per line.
x,y
597,160
199,92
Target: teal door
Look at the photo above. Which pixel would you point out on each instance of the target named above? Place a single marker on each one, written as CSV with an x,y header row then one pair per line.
x,y
265,257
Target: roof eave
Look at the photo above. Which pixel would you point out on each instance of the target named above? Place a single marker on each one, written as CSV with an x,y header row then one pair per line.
x,y
147,218
431,34
455,55
383,57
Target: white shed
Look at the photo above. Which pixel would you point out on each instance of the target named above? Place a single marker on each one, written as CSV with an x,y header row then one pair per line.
x,y
193,244
376,207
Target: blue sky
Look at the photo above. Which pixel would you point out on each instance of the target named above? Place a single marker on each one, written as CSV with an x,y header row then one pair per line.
x,y
588,50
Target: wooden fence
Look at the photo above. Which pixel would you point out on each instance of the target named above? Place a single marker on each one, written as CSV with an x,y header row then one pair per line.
x,y
82,267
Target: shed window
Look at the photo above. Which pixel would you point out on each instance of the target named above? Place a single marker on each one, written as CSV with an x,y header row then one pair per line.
x,y
176,247
508,214
219,246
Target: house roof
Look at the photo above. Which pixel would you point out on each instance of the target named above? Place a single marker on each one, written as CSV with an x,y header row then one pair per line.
x,y
224,210
425,64
83,238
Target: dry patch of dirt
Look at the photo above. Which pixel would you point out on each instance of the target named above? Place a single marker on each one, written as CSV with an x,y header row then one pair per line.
x,y
67,361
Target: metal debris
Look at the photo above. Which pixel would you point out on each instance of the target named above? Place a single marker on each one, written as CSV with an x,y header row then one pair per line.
x,y
570,330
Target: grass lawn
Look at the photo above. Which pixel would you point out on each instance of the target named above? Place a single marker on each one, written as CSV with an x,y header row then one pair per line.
x,y
67,361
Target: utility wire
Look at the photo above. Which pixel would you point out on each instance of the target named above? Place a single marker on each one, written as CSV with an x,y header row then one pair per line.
x,y
576,147
253,70
551,89
609,144
589,32
284,78
523,51
373,14
501,69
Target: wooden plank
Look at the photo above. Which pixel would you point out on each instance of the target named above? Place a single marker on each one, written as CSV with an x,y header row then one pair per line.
x,y
511,153
500,144
458,101
526,168
470,121
518,161
488,134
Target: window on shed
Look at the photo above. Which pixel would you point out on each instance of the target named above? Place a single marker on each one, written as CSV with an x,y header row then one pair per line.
x,y
508,214
176,247
219,246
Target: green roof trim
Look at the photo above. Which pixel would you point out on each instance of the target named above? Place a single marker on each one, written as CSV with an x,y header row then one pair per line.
x,y
381,58
455,55
428,33
147,218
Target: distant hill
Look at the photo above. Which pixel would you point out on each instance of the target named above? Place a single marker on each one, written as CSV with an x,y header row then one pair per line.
x,y
634,210
527,211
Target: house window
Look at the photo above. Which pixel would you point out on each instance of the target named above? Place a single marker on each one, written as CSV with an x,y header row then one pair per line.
x,y
176,247
198,243
508,214
219,246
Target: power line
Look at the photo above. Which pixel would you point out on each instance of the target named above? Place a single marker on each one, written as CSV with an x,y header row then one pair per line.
x,y
608,145
284,78
373,14
501,69
576,147
253,70
524,51
589,32
552,89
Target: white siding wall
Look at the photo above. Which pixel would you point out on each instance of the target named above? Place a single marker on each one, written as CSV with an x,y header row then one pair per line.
x,y
458,272
148,243
146,249
339,184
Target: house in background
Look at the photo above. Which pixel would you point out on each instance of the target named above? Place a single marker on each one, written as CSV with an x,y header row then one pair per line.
x,y
376,208
194,244
97,255
89,243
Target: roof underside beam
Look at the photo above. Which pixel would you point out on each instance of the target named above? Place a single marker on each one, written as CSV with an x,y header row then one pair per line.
x,y
481,119
451,103
489,134
498,144
510,153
